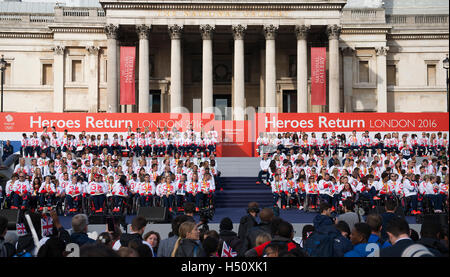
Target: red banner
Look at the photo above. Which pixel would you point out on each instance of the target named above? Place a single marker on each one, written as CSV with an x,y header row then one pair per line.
x,y
127,77
102,122
347,122
318,76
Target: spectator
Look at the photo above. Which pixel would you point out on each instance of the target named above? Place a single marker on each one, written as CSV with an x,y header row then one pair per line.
x,y
390,207
349,215
187,243
79,230
189,209
344,228
375,222
6,250
283,239
359,238
326,234
137,229
263,238
167,245
429,234
153,238
105,238
52,248
266,217
209,233
306,232
10,243
398,232
248,221
227,235
127,252
211,246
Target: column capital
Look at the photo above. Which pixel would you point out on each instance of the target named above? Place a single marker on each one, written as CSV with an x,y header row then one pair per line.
x,y
334,31
175,31
143,31
239,31
111,31
382,51
93,50
348,51
301,31
58,49
207,31
270,31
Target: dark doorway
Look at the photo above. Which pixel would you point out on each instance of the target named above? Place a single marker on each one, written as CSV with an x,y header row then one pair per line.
x,y
223,103
155,101
289,101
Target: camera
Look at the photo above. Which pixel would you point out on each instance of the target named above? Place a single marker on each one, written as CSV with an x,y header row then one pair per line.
x,y
206,215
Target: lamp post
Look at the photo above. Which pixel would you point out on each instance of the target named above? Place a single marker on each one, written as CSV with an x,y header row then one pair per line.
x,y
2,69
445,64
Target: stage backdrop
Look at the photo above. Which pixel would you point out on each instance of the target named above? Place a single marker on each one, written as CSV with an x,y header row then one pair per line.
x,y
237,138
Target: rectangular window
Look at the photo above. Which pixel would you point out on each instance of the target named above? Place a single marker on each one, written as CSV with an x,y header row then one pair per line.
x,y
47,74
391,75
431,75
77,71
363,71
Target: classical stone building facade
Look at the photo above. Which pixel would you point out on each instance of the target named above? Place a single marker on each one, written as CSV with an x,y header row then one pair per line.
x,y
381,57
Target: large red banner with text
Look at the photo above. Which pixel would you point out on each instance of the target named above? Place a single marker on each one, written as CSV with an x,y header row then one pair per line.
x,y
347,122
127,77
318,76
102,122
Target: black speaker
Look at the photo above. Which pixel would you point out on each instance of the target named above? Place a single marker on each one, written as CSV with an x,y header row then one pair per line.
x,y
12,216
442,219
101,219
154,214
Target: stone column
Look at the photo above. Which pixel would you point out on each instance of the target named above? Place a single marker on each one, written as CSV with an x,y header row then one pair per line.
x,y
301,32
112,82
348,53
381,79
239,73
93,78
175,32
144,68
58,79
262,76
334,32
207,68
271,73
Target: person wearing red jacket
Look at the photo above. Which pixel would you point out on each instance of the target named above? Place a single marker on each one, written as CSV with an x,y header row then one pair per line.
x,y
46,193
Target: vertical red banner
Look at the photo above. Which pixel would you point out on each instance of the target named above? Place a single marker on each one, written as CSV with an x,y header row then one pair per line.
x,y
318,76
127,77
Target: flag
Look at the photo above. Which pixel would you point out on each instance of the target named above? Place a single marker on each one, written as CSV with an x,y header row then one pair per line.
x,y
127,82
227,251
47,226
318,76
20,227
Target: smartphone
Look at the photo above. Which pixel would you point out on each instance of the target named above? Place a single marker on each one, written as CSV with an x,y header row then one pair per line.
x,y
110,223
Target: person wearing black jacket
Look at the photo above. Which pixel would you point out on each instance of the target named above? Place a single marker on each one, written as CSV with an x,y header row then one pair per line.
x,y
187,244
265,226
248,221
79,228
429,237
398,233
134,239
227,235
7,150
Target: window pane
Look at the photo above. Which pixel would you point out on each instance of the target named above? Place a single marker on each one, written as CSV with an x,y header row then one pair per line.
x,y
76,71
47,74
431,74
391,75
364,71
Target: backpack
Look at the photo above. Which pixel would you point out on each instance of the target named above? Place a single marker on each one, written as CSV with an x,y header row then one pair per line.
x,y
320,245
